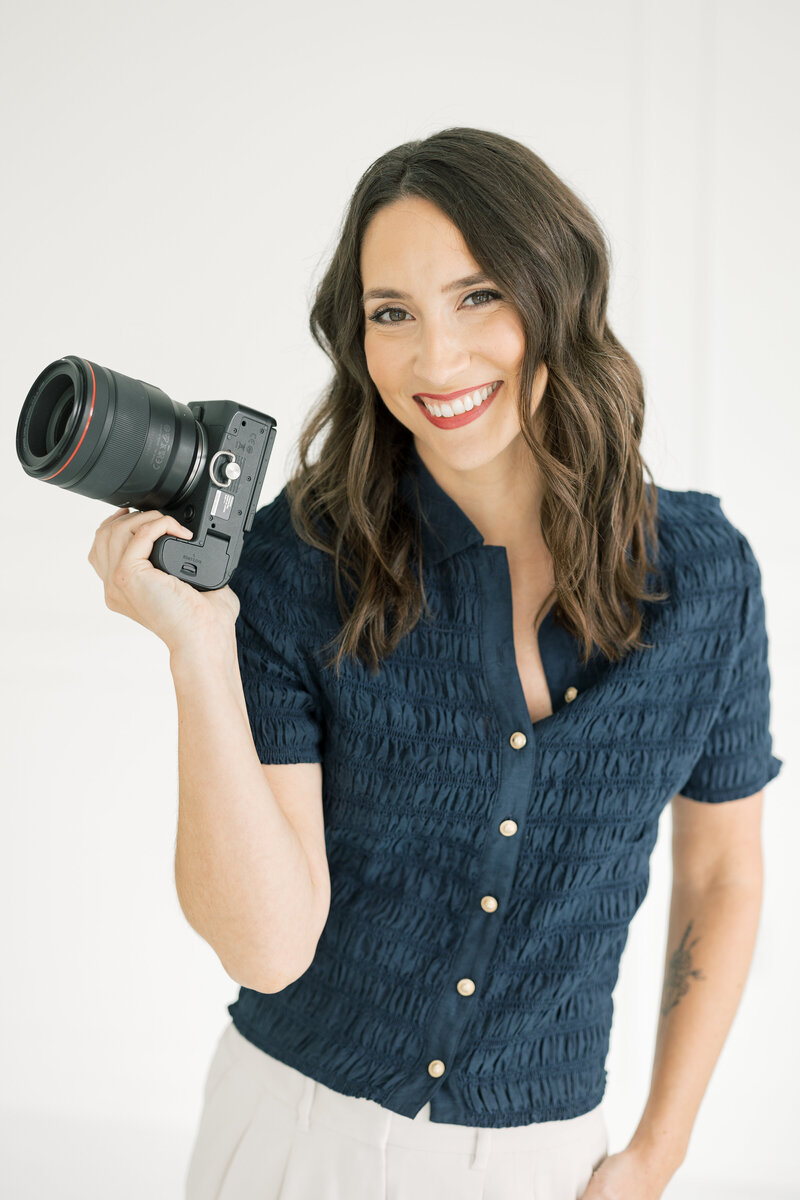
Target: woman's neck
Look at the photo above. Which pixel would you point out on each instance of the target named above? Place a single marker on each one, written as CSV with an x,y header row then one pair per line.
x,y
502,498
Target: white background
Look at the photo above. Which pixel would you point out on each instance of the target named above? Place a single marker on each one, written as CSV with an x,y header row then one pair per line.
x,y
173,178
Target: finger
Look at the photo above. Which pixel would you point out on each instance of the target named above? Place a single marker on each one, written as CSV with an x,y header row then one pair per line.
x,y
145,533
133,522
101,539
114,516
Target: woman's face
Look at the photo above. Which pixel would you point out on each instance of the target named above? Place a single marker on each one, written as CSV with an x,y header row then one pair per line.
x,y
436,338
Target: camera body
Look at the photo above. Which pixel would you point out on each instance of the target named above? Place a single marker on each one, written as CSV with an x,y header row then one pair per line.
x,y
91,430
221,500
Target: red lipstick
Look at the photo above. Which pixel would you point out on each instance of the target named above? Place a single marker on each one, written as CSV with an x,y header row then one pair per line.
x,y
455,422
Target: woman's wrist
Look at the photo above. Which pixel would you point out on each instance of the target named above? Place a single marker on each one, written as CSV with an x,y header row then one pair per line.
x,y
660,1155
199,651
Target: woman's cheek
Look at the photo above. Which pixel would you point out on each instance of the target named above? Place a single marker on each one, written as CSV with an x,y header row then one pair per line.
x,y
504,340
389,367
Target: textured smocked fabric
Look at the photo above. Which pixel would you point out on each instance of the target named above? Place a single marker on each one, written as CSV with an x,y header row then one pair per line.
x,y
485,869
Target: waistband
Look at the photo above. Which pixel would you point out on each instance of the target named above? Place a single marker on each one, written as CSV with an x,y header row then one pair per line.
x,y
367,1121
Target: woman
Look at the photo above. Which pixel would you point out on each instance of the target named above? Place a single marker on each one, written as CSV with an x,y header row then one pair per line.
x,y
476,658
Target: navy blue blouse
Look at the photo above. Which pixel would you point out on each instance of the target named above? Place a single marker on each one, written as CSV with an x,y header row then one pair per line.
x,y
485,869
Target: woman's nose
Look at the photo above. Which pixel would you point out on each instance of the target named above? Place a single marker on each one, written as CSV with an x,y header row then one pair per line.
x,y
441,355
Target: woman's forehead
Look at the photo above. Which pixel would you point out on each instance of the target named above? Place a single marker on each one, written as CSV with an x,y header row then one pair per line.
x,y
411,236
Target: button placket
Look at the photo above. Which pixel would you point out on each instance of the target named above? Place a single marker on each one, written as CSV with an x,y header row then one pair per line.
x,y
479,939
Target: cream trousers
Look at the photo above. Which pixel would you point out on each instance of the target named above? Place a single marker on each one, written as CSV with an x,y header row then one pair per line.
x,y
268,1132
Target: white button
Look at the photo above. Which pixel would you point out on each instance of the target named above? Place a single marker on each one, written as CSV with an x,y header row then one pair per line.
x,y
508,828
436,1068
465,987
518,740
488,903
570,694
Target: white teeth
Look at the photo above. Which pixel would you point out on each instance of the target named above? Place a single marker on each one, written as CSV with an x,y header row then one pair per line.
x,y
462,404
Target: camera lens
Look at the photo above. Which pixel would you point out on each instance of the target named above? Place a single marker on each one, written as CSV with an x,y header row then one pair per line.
x,y
102,434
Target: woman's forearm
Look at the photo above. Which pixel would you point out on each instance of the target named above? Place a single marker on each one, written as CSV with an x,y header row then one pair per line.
x,y
712,935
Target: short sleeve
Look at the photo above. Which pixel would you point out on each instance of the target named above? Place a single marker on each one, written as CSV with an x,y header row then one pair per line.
x,y
737,759
282,697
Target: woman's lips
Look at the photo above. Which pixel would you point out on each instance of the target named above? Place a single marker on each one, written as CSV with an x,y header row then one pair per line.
x,y
461,418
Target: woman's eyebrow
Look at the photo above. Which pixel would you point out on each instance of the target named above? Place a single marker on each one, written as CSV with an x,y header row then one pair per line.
x,y
384,293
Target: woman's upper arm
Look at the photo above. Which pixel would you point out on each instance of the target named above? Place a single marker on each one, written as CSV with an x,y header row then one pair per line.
x,y
297,787
716,843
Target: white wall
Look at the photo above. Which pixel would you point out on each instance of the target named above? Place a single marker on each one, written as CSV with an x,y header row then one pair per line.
x,y
173,177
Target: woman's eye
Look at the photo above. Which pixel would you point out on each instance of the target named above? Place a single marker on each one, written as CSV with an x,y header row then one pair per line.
x,y
377,316
484,292
381,311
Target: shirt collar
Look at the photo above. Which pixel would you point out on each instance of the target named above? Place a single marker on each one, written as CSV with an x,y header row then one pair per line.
x,y
446,528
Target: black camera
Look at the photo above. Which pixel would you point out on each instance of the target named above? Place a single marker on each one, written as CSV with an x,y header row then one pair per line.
x,y
102,434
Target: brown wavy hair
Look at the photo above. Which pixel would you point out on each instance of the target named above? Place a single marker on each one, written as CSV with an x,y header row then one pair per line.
x,y
532,235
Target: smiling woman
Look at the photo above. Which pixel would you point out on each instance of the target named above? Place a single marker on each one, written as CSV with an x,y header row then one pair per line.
x,y
489,775
441,288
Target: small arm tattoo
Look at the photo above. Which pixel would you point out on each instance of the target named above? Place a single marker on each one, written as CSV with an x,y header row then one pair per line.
x,y
679,972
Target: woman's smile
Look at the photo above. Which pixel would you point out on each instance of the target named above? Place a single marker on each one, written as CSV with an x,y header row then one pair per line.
x,y
463,409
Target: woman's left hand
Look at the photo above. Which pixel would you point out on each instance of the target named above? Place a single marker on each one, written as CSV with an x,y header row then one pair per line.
x,y
628,1175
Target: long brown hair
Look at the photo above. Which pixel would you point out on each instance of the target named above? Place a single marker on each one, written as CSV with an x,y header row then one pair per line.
x,y
528,231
